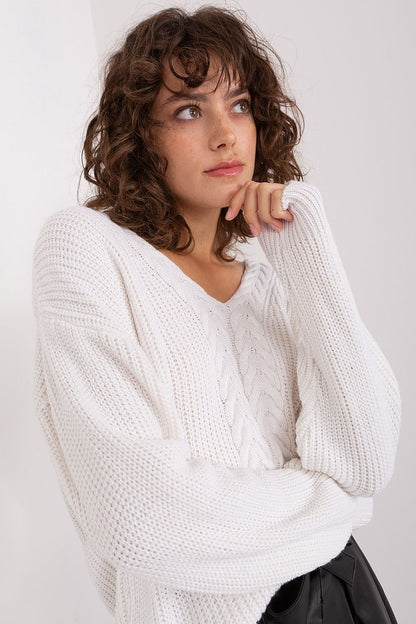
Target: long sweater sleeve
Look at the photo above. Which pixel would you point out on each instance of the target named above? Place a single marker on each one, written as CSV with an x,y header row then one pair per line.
x,y
136,493
349,420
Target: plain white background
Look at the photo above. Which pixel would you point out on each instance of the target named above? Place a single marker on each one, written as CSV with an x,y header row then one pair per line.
x,y
350,66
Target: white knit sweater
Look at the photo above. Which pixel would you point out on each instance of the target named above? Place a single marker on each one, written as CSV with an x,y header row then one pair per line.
x,y
207,452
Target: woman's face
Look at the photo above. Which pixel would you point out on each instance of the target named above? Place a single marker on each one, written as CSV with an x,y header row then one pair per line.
x,y
202,129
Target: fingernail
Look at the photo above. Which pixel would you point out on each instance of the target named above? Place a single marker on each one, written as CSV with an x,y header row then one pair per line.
x,y
228,213
254,229
275,227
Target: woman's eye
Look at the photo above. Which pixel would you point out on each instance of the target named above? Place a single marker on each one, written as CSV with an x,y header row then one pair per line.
x,y
245,104
192,111
191,108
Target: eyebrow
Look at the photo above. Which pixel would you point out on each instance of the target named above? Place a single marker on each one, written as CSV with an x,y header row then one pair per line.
x,y
200,97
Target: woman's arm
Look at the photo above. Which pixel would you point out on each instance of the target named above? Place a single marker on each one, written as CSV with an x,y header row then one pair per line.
x,y
348,425
134,490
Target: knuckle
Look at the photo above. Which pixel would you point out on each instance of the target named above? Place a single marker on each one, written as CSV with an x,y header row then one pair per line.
x,y
264,188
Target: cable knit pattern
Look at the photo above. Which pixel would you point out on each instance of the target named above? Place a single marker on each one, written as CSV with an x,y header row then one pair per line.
x,y
207,452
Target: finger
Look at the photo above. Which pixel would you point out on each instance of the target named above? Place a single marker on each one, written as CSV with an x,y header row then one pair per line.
x,y
251,207
264,197
263,202
276,206
236,202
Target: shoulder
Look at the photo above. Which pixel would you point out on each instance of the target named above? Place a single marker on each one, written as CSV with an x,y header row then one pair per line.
x,y
77,268
75,223
80,239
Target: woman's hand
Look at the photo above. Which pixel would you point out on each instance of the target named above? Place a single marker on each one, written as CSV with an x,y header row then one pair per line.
x,y
260,201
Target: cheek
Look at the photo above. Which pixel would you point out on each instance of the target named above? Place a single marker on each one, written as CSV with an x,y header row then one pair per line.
x,y
181,152
253,136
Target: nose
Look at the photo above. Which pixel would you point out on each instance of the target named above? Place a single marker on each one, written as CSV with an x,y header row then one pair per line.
x,y
222,134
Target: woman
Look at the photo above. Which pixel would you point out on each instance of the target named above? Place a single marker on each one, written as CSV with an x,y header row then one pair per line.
x,y
218,427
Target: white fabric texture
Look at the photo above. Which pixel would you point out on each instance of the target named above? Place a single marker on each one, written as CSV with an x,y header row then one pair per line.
x,y
207,452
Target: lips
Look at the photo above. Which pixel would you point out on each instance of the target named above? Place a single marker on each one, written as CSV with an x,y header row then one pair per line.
x,y
226,172
229,164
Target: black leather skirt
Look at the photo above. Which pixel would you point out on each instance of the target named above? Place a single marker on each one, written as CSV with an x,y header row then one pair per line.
x,y
343,591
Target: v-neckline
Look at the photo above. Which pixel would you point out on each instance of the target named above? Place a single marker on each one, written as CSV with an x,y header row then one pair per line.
x,y
175,270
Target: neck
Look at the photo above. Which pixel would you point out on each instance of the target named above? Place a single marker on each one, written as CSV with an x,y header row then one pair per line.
x,y
203,230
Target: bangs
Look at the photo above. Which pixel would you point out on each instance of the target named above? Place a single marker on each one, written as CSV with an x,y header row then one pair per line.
x,y
196,57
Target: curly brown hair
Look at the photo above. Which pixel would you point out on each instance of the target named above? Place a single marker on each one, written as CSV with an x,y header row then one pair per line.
x,y
120,156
